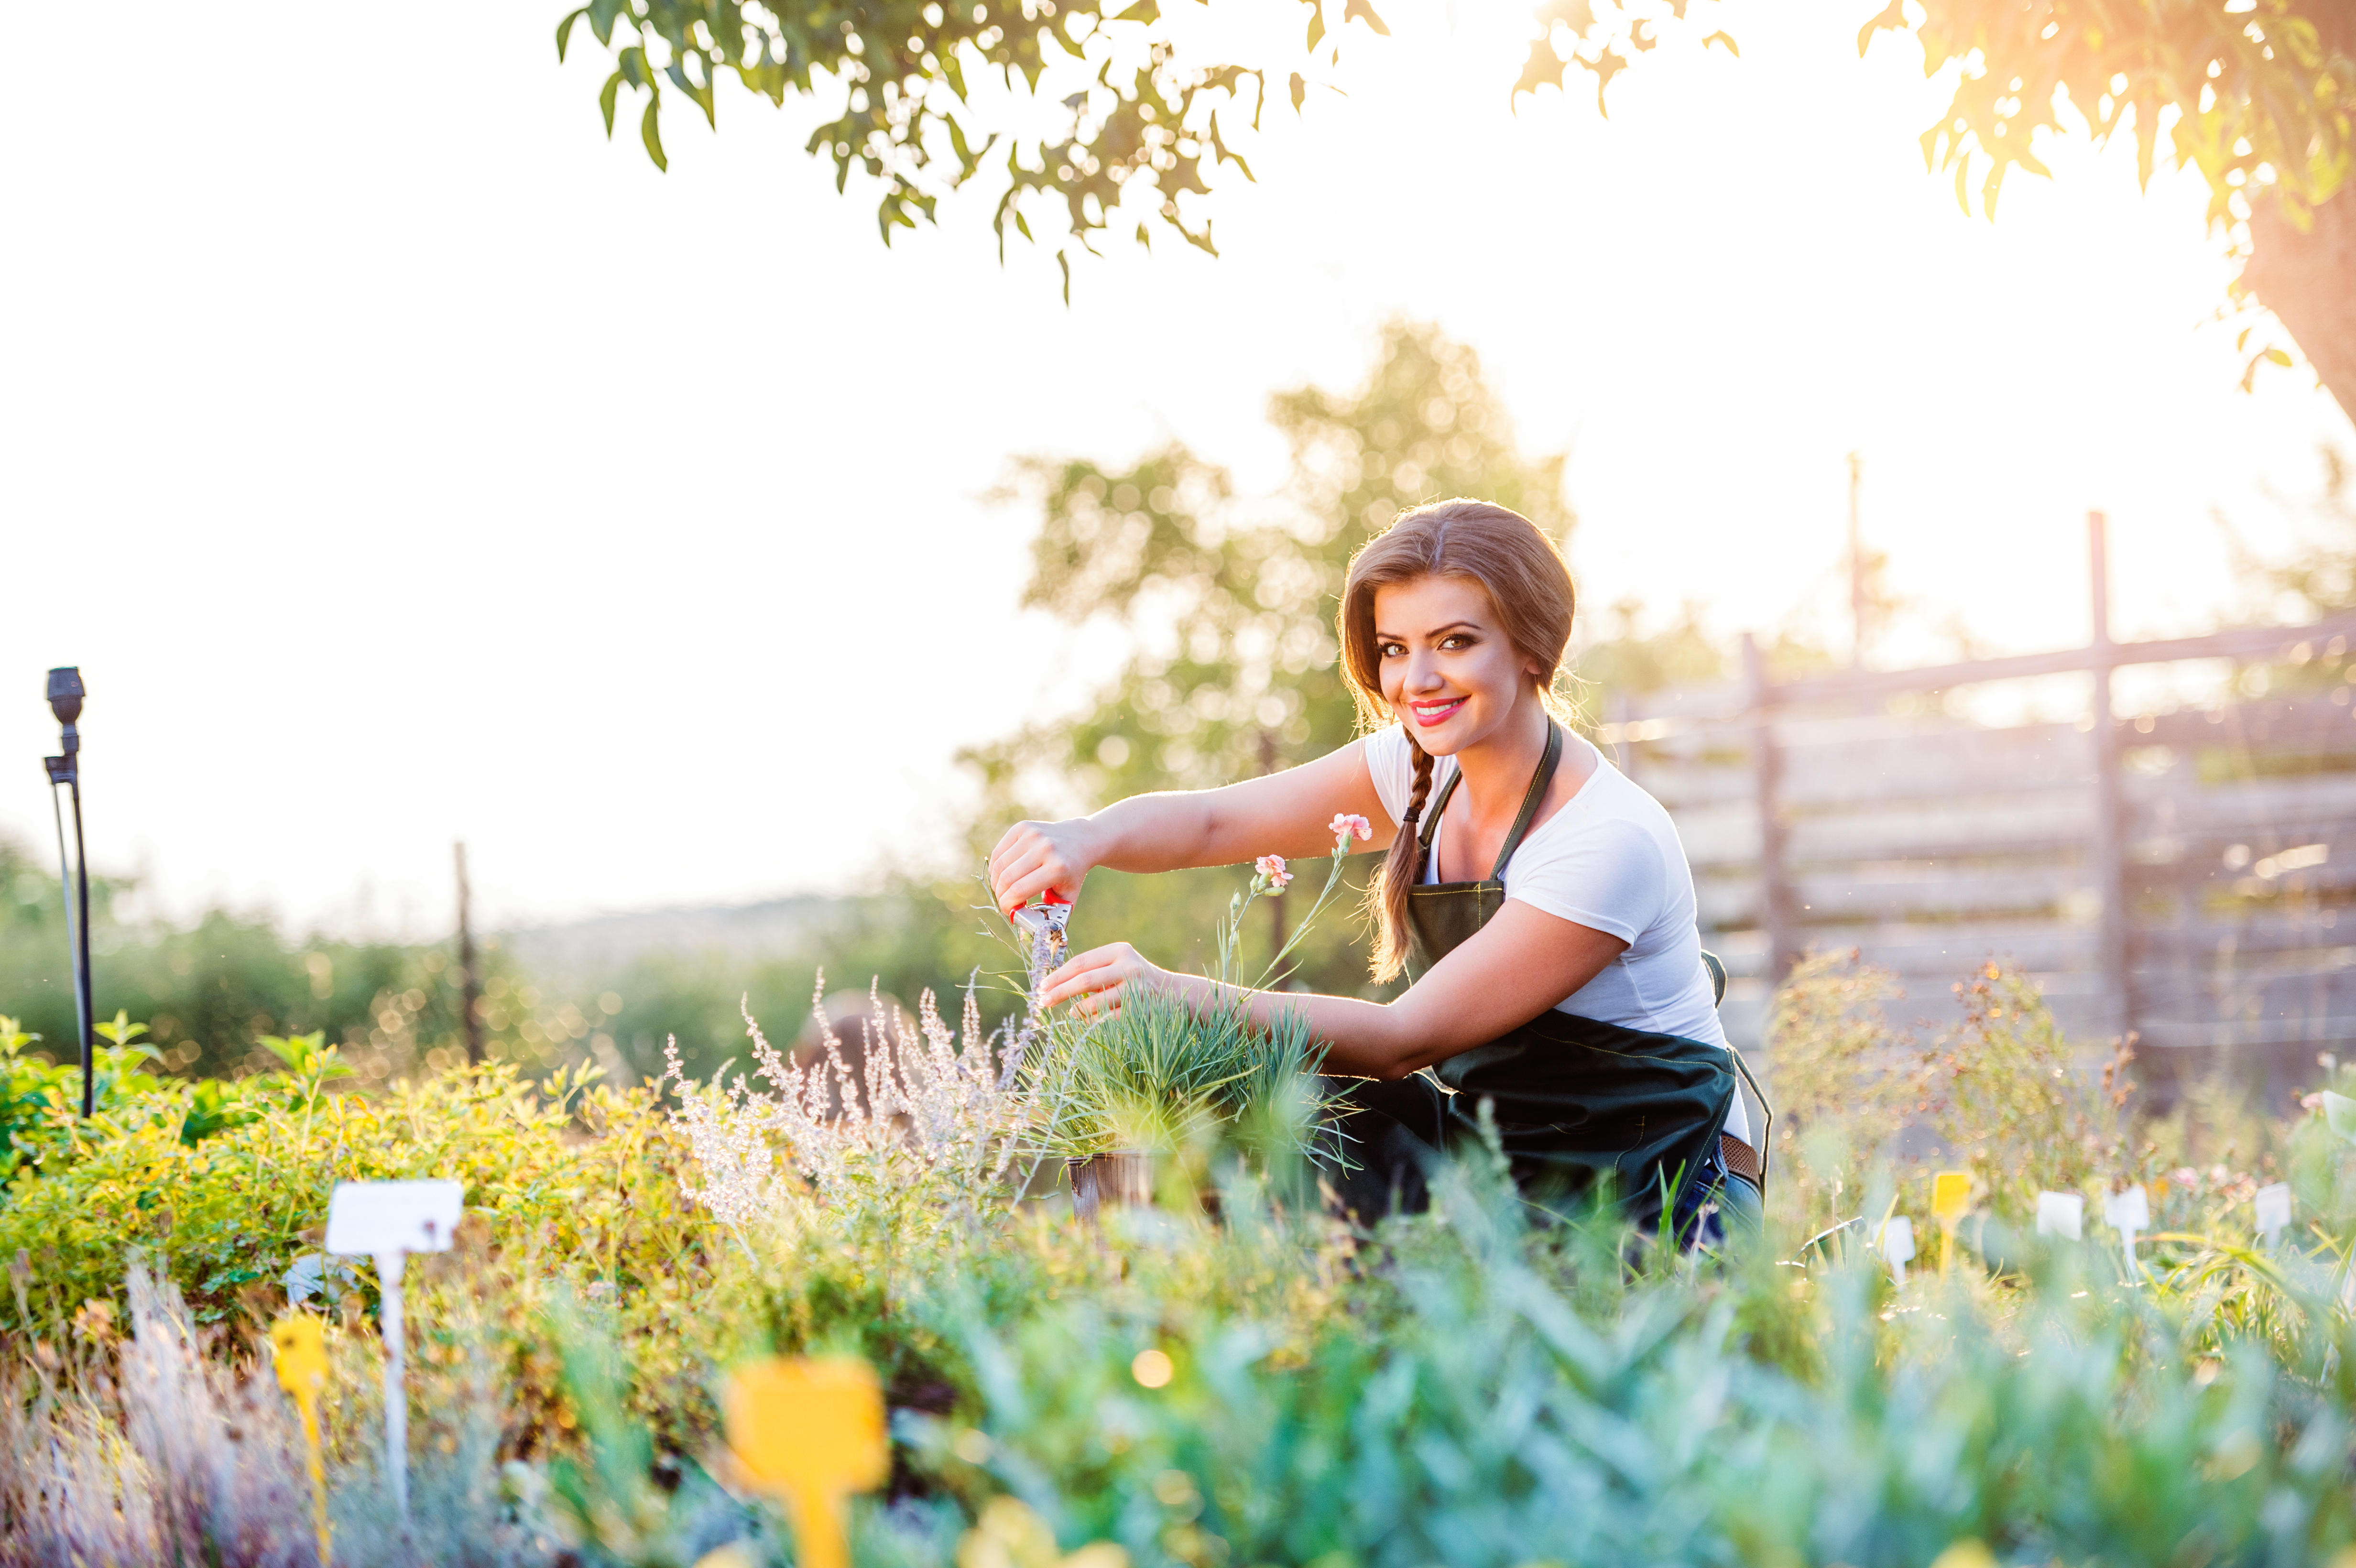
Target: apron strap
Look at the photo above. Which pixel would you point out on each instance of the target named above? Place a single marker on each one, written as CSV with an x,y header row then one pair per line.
x,y
1536,793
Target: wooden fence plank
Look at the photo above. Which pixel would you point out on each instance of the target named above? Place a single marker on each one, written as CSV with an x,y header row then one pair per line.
x,y
2038,757
2052,819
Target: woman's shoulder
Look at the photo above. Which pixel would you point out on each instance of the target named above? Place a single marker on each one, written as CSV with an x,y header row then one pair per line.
x,y
1391,764
1608,803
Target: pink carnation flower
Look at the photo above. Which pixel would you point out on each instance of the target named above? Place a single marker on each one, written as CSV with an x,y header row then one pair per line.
x,y
1347,822
1272,868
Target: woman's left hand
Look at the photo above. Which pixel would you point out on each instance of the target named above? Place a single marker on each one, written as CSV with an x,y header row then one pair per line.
x,y
1098,979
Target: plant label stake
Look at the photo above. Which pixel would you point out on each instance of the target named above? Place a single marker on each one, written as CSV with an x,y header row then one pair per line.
x,y
810,1432
1951,1200
2061,1214
2128,1213
1898,1245
66,696
302,1373
2274,1211
388,1221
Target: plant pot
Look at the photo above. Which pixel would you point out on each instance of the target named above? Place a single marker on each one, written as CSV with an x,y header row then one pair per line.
x,y
1121,1179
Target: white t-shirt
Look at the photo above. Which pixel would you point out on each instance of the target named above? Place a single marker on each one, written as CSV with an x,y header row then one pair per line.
x,y
1609,859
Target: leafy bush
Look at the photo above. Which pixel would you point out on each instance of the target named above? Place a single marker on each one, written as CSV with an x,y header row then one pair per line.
x,y
1197,1385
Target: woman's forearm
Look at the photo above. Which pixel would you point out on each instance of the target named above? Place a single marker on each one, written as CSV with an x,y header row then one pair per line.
x,y
1362,1038
1170,830
1286,814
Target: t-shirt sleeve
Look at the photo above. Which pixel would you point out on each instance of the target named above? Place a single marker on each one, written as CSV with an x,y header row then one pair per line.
x,y
1608,875
1393,769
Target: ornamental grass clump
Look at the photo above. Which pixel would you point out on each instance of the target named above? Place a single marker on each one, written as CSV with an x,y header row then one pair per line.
x,y
1159,1074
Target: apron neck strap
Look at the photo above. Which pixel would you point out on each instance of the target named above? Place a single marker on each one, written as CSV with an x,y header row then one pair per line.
x,y
1536,792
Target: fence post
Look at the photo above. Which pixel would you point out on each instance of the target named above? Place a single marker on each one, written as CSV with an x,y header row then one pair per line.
x,y
2110,825
470,983
1776,902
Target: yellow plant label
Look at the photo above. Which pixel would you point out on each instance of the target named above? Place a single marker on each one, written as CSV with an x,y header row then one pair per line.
x,y
812,1433
302,1356
1951,1196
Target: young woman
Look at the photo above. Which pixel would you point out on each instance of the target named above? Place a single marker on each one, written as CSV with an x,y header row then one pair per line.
x,y
1538,900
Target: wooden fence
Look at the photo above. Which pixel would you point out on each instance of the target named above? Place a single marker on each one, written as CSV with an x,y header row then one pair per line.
x,y
2179,874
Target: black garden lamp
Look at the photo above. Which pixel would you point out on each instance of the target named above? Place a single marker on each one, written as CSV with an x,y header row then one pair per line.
x,y
64,701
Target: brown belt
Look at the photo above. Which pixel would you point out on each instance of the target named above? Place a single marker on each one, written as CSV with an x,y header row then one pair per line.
x,y
1737,1157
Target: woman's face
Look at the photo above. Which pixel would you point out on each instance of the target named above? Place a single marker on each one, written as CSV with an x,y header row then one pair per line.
x,y
1448,670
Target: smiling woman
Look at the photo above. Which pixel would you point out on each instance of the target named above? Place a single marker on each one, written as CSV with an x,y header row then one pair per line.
x,y
1561,994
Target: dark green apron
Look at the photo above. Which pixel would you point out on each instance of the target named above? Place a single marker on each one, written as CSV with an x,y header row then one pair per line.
x,y
1574,1100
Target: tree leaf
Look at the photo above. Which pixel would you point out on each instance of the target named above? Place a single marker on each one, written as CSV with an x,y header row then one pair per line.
x,y
1360,11
1544,68
606,99
1316,24
564,31
1723,37
1300,90
1893,18
651,134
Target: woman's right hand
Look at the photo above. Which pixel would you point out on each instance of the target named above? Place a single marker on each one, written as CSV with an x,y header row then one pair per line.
x,y
1036,857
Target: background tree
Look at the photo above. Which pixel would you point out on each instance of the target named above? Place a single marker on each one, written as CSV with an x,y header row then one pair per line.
x,y
1231,604
2259,95
922,114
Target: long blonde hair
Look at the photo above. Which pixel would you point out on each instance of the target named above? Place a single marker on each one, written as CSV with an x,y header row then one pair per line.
x,y
1528,586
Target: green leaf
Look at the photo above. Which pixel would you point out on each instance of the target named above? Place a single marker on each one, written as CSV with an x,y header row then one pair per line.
x,y
650,132
1064,261
2339,1116
1143,11
606,99
564,31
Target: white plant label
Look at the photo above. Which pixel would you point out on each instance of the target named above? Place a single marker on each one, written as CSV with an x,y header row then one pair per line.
x,y
2128,1213
388,1221
1898,1244
2061,1214
379,1217
2274,1210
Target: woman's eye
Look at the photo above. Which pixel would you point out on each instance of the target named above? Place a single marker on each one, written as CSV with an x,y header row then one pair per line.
x,y
1391,650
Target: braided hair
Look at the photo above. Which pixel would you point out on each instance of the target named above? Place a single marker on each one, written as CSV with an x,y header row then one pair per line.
x,y
1528,586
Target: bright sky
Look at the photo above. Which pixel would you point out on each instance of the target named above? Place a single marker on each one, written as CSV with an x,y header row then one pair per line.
x,y
402,461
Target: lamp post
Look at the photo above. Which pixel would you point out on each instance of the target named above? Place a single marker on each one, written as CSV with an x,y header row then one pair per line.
x,y
64,701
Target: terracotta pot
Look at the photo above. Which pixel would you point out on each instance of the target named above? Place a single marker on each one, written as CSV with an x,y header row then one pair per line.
x,y
1123,1177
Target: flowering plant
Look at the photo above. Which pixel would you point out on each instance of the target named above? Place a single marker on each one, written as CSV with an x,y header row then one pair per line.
x,y
1271,875
926,1119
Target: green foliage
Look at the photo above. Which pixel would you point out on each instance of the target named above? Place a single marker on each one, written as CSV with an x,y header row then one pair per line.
x,y
1137,129
1260,1386
1157,1076
1997,1093
207,990
229,1211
